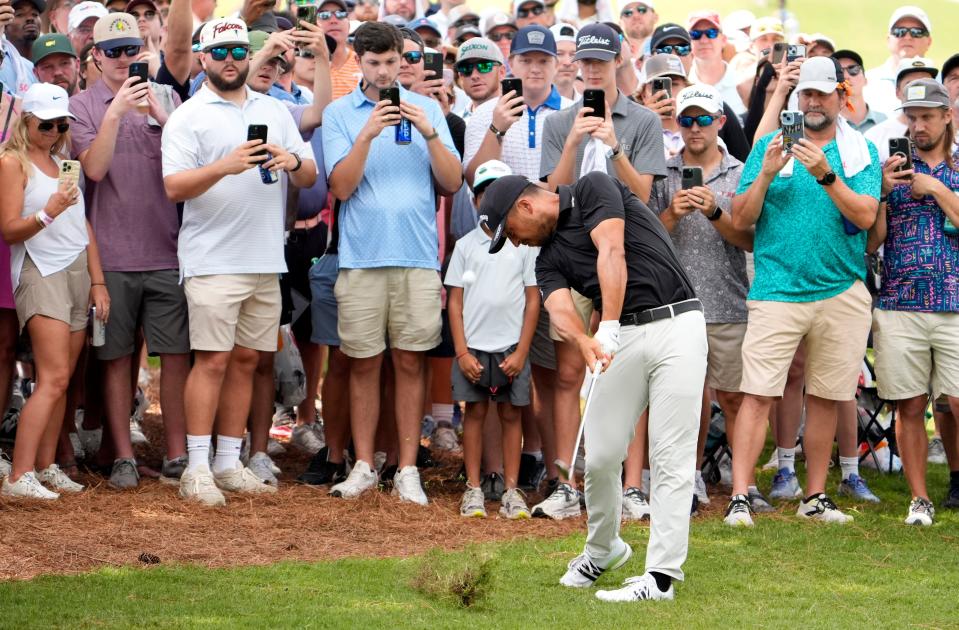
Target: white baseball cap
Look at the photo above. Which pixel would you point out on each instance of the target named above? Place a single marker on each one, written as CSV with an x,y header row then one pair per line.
x,y
81,12
223,32
910,11
818,73
564,32
47,101
490,171
738,21
700,95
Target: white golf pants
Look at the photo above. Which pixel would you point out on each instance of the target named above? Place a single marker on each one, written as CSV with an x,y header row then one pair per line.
x,y
661,365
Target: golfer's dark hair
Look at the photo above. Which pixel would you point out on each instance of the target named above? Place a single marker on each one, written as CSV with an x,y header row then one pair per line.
x,y
377,37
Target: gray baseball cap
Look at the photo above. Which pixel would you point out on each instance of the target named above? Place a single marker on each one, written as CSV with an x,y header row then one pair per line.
x,y
663,66
479,48
925,93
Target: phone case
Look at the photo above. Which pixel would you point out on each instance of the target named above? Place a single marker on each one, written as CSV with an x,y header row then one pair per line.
x,y
70,171
595,99
692,177
792,133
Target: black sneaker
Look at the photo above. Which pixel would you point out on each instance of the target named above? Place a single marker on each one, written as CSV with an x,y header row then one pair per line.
x,y
424,459
531,473
493,486
386,477
320,472
952,499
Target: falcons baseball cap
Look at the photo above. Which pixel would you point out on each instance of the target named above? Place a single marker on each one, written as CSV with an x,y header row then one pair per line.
x,y
597,41
223,32
701,95
533,38
498,200
115,30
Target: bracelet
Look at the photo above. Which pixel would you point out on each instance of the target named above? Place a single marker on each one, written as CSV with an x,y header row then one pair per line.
x,y
883,198
718,212
432,136
496,132
98,284
39,221
299,163
462,354
46,218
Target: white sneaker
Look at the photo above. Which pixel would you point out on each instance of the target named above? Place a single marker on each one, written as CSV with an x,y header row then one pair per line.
x,y
472,503
822,508
242,479
699,489
921,512
563,503
582,571
937,452
514,506
360,479
306,439
198,485
136,433
5,465
27,487
56,479
635,506
407,486
262,466
89,438
637,589
738,512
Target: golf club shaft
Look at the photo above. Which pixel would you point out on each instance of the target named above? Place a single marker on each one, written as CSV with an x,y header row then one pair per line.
x,y
597,370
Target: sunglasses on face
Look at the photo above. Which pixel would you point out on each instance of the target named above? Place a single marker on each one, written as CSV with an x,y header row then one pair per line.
x,y
703,121
498,37
238,53
525,13
146,15
484,67
62,125
853,70
680,50
628,13
916,32
464,21
432,42
326,15
697,34
413,57
114,53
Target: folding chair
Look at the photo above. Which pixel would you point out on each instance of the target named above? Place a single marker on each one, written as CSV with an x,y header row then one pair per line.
x,y
870,409
717,446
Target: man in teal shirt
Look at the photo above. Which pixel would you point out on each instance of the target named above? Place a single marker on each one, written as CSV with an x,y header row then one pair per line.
x,y
811,210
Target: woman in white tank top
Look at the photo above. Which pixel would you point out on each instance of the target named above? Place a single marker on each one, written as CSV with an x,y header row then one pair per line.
x,y
53,259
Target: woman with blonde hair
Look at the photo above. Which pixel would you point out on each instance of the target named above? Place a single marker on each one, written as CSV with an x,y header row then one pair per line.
x,y
53,259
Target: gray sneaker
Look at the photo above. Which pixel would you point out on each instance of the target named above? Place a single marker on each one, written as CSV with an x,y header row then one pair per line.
x,y
124,475
758,502
937,451
514,506
172,470
471,506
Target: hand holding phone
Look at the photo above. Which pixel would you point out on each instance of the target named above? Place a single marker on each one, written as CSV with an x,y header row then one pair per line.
x,y
595,100
663,84
404,129
141,71
512,85
692,177
793,127
433,64
901,147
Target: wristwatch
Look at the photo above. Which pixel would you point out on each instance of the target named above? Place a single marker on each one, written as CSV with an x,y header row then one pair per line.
x,y
827,180
614,153
718,212
299,163
496,132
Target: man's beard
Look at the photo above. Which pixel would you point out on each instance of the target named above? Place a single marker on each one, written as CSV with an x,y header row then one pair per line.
x,y
819,126
930,144
223,85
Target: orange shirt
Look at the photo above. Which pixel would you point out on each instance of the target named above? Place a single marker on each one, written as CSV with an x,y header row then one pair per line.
x,y
346,77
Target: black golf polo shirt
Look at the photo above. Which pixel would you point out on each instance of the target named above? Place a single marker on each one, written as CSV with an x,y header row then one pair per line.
x,y
654,275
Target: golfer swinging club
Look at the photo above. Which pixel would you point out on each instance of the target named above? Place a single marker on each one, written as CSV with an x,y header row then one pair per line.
x,y
600,239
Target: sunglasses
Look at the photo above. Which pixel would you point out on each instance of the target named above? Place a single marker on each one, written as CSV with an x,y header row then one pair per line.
x,y
916,32
703,121
413,57
853,70
696,34
525,13
326,15
680,50
484,67
467,20
62,125
146,15
432,42
628,13
498,37
239,53
114,53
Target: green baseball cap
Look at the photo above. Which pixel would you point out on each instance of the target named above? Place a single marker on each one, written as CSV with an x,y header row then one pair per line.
x,y
51,44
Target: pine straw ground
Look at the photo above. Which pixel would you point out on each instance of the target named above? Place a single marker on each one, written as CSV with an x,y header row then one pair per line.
x,y
102,527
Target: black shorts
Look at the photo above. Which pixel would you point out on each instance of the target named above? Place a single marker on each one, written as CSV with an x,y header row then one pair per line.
x,y
302,247
517,394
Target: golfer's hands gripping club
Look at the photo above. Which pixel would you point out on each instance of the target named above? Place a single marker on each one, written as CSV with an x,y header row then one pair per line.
x,y
603,346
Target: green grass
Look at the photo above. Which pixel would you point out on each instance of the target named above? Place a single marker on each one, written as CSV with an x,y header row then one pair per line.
x,y
783,573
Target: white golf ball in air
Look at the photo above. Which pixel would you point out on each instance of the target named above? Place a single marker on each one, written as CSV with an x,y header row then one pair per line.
x,y
469,277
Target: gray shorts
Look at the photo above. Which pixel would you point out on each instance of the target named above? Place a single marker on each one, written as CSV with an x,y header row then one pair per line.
x,y
517,394
323,309
153,300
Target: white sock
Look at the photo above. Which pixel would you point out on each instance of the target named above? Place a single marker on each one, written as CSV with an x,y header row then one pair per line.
x,y
198,452
646,487
443,412
849,466
537,454
699,476
227,453
787,458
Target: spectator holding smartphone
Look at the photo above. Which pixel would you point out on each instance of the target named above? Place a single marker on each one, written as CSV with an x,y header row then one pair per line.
x,y
492,338
662,102
232,288
56,277
136,227
388,281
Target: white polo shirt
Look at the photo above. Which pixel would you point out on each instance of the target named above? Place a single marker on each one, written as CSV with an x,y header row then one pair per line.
x,y
494,288
237,225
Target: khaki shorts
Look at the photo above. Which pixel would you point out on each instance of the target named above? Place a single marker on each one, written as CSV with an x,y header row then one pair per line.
x,y
835,330
724,369
228,310
584,308
913,349
401,302
63,296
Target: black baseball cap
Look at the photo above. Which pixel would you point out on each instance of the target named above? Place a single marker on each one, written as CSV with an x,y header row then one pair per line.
x,y
668,31
849,54
951,64
597,41
498,200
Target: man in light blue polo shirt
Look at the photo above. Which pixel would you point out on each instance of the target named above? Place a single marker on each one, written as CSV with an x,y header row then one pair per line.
x,y
388,283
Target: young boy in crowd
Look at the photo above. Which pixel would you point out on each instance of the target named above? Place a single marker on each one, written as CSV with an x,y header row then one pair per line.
x,y
492,339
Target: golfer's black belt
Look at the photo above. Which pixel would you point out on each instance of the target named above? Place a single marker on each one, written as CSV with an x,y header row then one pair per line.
x,y
660,312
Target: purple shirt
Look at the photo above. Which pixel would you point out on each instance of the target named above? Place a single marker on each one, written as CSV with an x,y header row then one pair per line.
x,y
135,224
920,261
